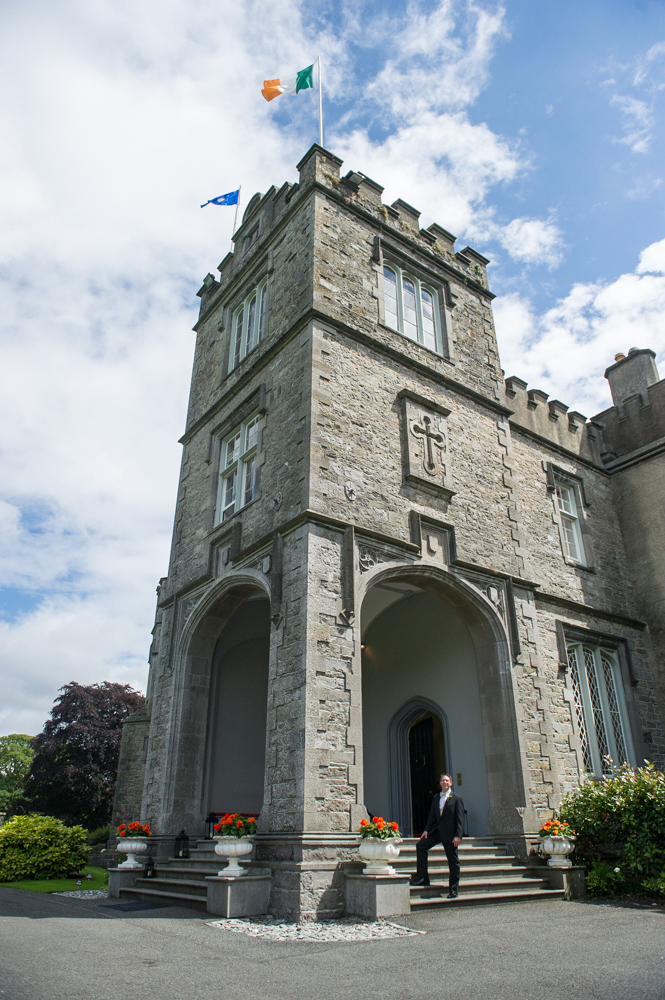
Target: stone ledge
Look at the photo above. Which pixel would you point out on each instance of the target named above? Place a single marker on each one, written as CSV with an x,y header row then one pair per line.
x,y
376,896
245,896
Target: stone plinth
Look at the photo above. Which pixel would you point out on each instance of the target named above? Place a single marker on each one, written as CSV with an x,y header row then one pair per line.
x,y
245,896
374,896
122,879
571,880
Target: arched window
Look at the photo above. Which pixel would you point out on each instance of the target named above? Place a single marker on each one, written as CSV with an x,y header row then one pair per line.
x,y
599,708
411,308
249,324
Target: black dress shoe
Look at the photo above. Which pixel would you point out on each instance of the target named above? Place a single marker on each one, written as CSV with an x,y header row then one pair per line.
x,y
419,881
452,894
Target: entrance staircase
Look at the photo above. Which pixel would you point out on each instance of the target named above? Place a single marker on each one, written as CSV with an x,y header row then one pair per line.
x,y
489,875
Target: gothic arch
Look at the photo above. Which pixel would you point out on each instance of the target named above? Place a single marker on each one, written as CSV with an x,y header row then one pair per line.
x,y
192,675
507,773
398,748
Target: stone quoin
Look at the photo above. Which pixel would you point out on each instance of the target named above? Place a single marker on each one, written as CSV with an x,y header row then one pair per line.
x,y
388,560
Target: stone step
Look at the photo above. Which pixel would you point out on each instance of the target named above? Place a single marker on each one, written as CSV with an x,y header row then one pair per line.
x,y
192,887
409,860
172,898
161,871
477,885
485,898
488,874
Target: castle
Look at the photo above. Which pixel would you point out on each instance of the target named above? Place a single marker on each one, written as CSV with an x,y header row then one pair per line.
x,y
389,561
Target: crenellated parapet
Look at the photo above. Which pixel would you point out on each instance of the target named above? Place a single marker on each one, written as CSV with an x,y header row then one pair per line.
x,y
550,419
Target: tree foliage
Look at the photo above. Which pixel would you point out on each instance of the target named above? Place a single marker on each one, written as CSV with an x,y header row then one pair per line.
x,y
74,769
16,753
40,847
620,825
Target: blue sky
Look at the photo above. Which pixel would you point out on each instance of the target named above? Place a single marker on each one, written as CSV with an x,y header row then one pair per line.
x,y
532,130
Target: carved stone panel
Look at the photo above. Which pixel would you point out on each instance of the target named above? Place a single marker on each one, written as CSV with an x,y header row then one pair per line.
x,y
425,445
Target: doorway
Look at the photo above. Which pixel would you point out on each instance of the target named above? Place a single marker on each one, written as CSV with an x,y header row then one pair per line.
x,y
427,762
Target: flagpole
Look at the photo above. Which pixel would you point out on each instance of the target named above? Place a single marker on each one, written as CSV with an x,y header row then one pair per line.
x,y
320,106
235,219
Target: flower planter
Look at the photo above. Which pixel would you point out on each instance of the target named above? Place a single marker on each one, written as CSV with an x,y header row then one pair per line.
x,y
558,848
233,848
131,846
379,853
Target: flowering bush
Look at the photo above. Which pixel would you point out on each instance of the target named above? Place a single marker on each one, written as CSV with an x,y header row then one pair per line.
x,y
235,825
603,879
556,828
40,847
134,830
621,821
379,827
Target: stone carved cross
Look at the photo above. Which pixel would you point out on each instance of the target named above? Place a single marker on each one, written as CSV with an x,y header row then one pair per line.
x,y
430,438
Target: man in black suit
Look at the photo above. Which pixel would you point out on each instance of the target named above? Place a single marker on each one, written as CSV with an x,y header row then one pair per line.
x,y
445,825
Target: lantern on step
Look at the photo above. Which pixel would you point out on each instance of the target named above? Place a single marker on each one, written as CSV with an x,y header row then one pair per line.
x,y
182,845
211,819
149,869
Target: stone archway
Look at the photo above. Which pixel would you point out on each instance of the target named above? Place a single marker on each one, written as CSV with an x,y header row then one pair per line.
x,y
190,737
504,775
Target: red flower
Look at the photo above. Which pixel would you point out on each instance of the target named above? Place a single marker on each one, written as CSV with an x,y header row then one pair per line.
x,y
239,824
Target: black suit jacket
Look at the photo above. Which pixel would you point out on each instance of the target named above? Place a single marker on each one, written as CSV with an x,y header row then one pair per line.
x,y
451,822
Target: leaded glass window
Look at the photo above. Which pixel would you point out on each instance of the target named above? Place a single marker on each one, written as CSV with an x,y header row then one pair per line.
x,y
237,472
249,325
411,308
599,708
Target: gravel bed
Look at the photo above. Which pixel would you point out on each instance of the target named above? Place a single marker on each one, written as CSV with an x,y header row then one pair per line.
x,y
83,893
332,930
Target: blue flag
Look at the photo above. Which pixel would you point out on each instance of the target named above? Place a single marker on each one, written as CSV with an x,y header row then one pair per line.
x,y
224,199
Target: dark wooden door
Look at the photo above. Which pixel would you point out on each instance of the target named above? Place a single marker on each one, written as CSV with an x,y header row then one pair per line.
x,y
423,772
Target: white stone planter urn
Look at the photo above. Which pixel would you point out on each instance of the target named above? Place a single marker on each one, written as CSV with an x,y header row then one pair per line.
x,y
558,848
233,848
132,846
379,853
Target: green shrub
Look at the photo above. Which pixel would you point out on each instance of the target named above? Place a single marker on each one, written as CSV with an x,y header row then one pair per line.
x,y
605,880
99,836
655,886
40,847
620,821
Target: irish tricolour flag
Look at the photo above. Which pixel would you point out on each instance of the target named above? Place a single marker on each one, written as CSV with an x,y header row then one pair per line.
x,y
288,84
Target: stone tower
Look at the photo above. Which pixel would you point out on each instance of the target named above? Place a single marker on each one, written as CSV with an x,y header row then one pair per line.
x,y
387,561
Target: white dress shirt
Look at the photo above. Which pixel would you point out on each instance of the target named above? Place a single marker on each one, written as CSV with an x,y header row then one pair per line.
x,y
442,799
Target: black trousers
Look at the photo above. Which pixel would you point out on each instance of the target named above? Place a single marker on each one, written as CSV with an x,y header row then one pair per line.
x,y
426,844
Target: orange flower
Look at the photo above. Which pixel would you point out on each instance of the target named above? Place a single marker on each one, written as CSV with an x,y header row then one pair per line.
x,y
375,819
394,826
239,824
363,822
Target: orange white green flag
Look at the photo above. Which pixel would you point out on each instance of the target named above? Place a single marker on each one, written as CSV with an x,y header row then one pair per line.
x,y
302,80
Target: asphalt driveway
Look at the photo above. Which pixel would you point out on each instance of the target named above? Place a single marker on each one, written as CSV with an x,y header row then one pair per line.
x,y
59,948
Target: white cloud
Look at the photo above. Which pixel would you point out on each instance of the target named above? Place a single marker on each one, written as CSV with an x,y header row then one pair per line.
x,y
565,351
536,241
638,122
442,58
119,119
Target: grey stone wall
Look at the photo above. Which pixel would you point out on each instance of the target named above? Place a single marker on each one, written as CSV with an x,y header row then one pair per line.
x,y
348,496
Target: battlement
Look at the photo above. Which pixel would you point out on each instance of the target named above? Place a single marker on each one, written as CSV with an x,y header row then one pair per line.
x,y
536,413
321,168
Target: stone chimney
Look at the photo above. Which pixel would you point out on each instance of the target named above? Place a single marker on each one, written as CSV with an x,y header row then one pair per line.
x,y
632,375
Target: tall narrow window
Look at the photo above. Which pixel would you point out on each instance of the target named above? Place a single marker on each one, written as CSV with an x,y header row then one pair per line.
x,y
249,324
566,502
600,712
237,468
411,308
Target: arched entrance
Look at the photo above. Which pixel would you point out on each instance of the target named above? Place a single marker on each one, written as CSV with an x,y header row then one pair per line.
x,y
223,651
434,653
237,720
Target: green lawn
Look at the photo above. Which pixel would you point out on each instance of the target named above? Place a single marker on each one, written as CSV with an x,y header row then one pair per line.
x,y
99,880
